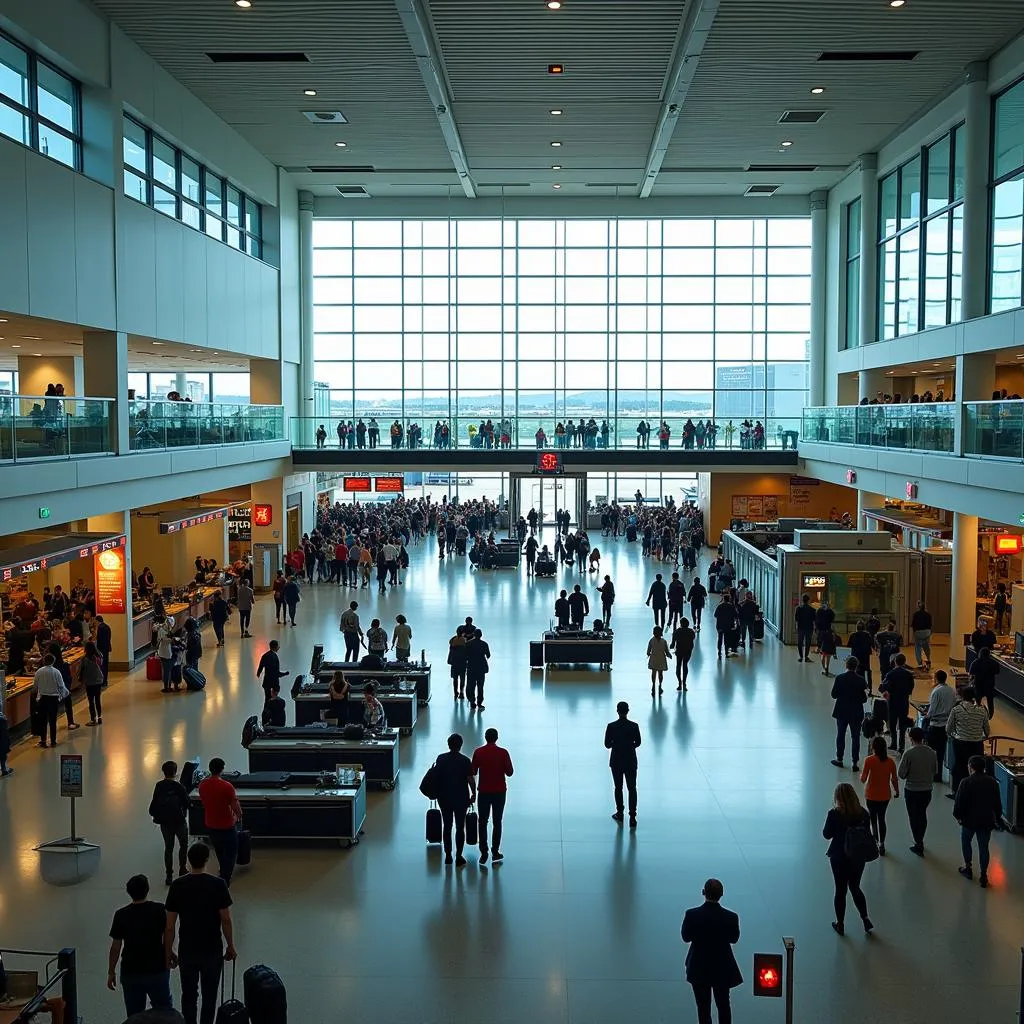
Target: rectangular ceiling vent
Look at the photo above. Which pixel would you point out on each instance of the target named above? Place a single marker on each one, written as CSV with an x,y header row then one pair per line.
x,y
610,184
503,184
890,56
801,117
353,191
762,190
325,116
781,168
258,57
340,169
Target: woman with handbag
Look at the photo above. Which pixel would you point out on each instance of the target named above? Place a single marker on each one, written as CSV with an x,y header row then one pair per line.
x,y
846,828
91,677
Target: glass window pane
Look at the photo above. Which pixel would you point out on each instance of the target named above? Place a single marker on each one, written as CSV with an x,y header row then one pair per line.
x,y
938,175
936,271
190,180
234,206
910,192
214,227
164,159
57,146
959,140
908,282
956,265
853,229
853,303
57,97
13,124
234,237
135,187
134,144
165,201
214,193
1008,134
887,291
190,215
252,217
887,206
14,72
1007,235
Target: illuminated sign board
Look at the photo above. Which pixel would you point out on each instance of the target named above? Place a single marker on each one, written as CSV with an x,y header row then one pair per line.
x,y
1008,544
389,484
177,525
52,558
355,484
549,462
815,582
111,592
262,515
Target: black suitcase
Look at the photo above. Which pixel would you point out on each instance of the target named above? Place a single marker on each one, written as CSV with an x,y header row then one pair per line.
x,y
435,825
194,679
231,1011
264,995
472,828
631,534
757,628
880,708
536,654
244,848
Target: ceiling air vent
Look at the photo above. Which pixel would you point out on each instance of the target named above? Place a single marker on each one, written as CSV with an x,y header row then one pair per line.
x,y
762,190
781,168
889,56
258,57
610,184
340,169
325,116
801,117
353,191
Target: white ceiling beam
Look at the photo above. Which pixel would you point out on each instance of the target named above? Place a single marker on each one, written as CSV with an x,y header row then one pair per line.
x,y
416,22
697,22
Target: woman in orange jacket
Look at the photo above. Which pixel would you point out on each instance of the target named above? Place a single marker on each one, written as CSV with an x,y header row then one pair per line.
x,y
879,777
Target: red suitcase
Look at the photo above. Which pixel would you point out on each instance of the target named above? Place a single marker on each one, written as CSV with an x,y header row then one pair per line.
x,y
154,669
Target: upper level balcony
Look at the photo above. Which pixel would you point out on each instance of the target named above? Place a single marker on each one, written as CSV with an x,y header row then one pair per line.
x,y
34,427
159,424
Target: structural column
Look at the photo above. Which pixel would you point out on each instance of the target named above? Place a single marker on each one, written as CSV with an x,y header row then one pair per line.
x,y
105,375
870,382
306,208
819,276
977,133
868,499
963,612
975,382
868,247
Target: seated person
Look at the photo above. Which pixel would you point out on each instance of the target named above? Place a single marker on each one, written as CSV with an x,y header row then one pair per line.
x,y
600,627
374,718
544,555
274,711
338,693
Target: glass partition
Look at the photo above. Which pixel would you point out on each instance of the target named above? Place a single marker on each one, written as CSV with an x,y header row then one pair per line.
x,y
927,427
54,427
994,429
162,424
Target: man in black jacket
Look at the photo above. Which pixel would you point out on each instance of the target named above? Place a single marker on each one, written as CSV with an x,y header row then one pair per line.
x,y
579,607
697,596
562,610
849,691
622,737
169,809
104,646
657,600
275,711
804,616
978,808
711,968
477,655
899,685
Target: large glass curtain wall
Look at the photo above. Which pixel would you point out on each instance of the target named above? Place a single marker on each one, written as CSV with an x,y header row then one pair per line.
x,y
546,319
1008,200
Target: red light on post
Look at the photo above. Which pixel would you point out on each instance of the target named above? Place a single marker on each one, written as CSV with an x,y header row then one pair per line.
x,y
768,974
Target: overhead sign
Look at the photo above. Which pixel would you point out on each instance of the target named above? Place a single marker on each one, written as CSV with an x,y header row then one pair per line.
x,y
196,517
549,462
1009,544
71,775
58,557
262,515
355,484
815,582
111,589
389,484
240,523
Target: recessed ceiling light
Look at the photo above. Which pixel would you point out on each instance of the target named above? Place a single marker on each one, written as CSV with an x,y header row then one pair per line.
x,y
341,145
558,167
897,3
556,185
553,5
556,69
2,321
556,144
817,90
27,337
15,346
556,112
244,4
309,92
38,355
157,342
787,144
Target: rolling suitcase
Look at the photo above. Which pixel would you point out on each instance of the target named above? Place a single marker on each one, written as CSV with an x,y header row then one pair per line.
x,y
244,857
757,628
154,669
231,1011
631,533
536,654
472,828
435,825
264,995
194,679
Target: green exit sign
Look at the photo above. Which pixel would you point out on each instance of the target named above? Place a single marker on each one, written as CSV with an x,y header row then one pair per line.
x,y
1020,519
44,512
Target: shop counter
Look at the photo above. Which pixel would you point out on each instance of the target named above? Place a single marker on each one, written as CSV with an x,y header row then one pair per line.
x,y
299,809
305,750
387,677
584,648
401,708
18,697
197,607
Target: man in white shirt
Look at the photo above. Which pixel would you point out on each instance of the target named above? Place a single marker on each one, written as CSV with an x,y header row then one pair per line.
x,y
49,690
391,561
940,703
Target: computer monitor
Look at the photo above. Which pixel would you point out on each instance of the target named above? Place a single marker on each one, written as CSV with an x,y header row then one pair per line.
x,y
1018,645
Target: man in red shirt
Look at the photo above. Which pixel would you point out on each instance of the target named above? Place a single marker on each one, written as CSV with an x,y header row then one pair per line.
x,y
221,814
493,765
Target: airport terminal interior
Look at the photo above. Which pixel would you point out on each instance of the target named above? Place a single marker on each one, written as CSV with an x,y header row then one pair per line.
x,y
729,290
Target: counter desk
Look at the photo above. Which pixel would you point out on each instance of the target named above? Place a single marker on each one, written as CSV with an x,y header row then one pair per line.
x,y
585,648
311,749
293,809
1010,681
196,607
18,695
358,676
400,707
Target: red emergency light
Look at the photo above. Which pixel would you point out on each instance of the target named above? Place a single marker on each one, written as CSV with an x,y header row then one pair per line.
x,y
768,974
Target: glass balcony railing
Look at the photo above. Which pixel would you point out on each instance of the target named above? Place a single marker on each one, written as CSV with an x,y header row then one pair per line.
x,y
48,427
994,430
676,433
160,424
924,427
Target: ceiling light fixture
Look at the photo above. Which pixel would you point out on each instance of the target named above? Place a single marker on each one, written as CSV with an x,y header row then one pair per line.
x,y
817,90
553,5
244,4
556,185
558,167
157,342
2,321
556,144
556,69
555,112
15,346
26,337
309,92
787,144
38,355
341,145
897,3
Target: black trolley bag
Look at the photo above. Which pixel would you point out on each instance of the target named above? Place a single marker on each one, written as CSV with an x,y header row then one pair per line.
x,y
230,1011
265,996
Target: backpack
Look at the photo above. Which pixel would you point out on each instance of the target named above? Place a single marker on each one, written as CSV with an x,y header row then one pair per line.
x,y
166,809
859,845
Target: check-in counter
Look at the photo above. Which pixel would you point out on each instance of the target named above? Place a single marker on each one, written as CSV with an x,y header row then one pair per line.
x,y
197,607
311,749
401,708
383,677
584,648
18,696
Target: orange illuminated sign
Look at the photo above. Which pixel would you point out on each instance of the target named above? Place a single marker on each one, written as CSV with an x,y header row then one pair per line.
x,y
1009,544
111,592
355,484
389,484
262,515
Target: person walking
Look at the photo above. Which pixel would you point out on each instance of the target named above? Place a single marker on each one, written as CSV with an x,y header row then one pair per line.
x,y
983,676
457,662
169,809
978,809
711,967
270,668
90,675
657,600
917,769
847,870
726,623
921,627
607,592
166,651
478,653
967,727
697,596
530,550
222,815
456,790
352,632
579,607
683,640
940,703
198,908
676,600
861,644
278,591
401,639
805,615
888,641
220,612
493,765
137,940
622,737
849,691
104,644
291,598
898,686
828,642
48,690
244,600
878,776
657,658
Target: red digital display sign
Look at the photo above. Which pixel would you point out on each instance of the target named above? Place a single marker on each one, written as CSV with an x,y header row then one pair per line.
x,y
355,484
177,525
549,462
1008,544
389,484
262,515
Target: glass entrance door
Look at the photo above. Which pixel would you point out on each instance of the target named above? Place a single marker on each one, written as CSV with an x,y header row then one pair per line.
x,y
548,495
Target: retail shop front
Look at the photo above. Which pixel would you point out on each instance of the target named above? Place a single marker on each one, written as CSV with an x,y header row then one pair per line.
x,y
90,570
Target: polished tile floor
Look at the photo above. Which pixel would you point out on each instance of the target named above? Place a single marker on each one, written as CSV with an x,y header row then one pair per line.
x,y
581,922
